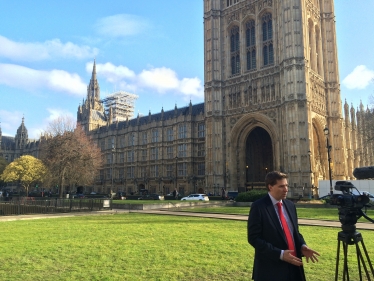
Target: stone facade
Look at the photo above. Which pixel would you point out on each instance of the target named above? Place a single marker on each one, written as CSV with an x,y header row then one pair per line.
x,y
13,147
271,76
271,87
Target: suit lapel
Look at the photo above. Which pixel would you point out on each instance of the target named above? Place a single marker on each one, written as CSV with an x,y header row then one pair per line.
x,y
291,215
274,217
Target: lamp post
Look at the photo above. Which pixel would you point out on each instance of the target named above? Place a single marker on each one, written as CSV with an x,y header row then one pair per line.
x,y
176,172
328,146
310,171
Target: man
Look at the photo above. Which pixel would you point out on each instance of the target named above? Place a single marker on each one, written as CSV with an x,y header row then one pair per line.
x,y
175,194
274,233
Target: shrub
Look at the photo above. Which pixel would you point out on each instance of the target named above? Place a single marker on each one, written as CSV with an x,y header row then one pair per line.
x,y
251,196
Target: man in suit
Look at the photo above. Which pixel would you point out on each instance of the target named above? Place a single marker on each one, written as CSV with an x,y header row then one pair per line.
x,y
274,233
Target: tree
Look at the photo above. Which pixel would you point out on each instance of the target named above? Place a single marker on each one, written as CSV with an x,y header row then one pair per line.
x,y
26,170
71,156
3,164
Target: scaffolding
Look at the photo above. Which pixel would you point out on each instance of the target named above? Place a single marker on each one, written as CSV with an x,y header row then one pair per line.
x,y
122,105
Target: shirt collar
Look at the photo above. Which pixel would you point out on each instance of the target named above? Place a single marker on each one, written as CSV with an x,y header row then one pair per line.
x,y
273,200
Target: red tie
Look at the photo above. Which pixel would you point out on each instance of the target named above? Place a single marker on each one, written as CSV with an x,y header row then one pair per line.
x,y
286,229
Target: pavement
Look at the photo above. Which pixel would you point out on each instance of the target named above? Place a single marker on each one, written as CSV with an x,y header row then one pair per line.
x,y
359,225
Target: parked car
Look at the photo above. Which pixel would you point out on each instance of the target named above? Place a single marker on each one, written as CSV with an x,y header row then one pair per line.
x,y
199,197
152,196
78,196
231,195
120,196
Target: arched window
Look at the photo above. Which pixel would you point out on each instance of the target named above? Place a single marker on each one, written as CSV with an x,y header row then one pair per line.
x,y
234,50
267,39
251,44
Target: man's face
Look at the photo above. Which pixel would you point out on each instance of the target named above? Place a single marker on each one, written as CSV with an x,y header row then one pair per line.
x,y
279,190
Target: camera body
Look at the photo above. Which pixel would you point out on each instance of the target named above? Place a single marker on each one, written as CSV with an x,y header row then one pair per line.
x,y
350,205
347,199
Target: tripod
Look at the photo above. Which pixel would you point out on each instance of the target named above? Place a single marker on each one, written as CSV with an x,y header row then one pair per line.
x,y
352,237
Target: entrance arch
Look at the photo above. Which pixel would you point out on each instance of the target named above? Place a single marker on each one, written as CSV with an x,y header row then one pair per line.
x,y
258,155
254,142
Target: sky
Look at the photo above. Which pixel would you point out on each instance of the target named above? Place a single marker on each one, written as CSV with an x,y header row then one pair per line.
x,y
153,49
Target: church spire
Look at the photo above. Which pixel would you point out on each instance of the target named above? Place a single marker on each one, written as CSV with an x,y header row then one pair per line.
x,y
93,78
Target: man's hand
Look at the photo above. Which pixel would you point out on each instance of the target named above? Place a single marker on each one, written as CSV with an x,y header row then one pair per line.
x,y
290,258
309,254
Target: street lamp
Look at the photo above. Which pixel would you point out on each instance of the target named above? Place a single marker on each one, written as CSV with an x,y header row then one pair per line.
x,y
328,146
176,170
310,170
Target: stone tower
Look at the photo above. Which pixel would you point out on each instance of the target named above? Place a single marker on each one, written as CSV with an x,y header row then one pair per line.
x,y
91,113
271,87
21,138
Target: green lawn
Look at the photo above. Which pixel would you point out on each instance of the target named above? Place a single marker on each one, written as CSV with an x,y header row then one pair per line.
x,y
304,213
145,201
146,247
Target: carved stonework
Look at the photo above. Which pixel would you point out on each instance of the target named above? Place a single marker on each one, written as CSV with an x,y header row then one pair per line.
x,y
249,10
233,17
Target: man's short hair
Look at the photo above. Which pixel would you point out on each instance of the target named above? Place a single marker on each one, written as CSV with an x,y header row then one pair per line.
x,y
272,178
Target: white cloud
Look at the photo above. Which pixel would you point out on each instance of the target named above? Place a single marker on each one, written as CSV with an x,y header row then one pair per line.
x,y
359,78
121,25
19,51
54,114
30,79
10,121
112,73
161,80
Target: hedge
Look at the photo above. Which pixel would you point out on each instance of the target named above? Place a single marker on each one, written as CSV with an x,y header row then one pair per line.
x,y
251,196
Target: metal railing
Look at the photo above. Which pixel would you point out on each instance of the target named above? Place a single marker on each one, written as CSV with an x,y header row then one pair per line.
x,y
31,205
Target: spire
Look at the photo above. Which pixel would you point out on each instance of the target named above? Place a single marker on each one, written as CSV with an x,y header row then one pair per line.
x,y
94,71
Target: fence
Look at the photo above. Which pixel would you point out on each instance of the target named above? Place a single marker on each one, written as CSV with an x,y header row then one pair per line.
x,y
31,205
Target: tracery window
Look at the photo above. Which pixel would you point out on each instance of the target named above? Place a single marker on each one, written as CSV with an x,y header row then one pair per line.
x,y
169,170
169,152
267,39
230,2
155,136
170,134
154,153
182,131
182,150
201,130
144,138
251,44
234,50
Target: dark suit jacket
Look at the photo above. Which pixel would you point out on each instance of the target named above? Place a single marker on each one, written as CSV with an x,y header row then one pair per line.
x,y
266,235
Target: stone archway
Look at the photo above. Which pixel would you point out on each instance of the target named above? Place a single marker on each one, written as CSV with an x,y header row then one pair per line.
x,y
258,155
254,134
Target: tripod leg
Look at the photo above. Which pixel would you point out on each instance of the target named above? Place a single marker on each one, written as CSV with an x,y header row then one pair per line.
x,y
367,257
345,269
337,260
359,259
359,256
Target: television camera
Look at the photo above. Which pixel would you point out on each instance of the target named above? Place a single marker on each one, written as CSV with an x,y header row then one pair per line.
x,y
350,205
350,208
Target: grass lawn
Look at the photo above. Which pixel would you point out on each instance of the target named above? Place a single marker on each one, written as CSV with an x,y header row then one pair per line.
x,y
303,213
147,247
146,201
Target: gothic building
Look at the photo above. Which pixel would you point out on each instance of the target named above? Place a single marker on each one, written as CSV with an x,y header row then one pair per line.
x,y
271,87
13,147
158,152
271,91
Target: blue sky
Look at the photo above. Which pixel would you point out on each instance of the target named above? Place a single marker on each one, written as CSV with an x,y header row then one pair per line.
x,y
150,48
